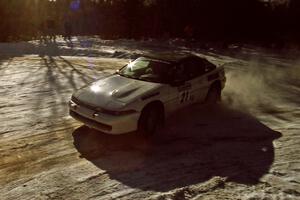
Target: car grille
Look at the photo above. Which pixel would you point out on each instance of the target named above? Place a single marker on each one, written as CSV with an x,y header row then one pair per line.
x,y
94,108
90,122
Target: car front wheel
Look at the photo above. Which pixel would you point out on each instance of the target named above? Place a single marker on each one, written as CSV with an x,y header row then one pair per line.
x,y
150,121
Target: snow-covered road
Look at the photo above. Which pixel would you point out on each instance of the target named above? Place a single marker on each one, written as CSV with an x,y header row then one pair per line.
x,y
246,148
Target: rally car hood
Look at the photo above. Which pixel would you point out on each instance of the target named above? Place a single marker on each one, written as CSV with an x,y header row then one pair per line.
x,y
114,92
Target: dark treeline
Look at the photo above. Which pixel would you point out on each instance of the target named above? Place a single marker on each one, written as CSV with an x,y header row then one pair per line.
x,y
234,20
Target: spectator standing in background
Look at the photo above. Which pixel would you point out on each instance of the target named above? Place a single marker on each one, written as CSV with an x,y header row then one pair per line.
x,y
42,32
68,30
189,32
50,24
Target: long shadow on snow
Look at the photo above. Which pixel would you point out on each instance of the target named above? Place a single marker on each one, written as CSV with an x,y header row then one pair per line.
x,y
197,144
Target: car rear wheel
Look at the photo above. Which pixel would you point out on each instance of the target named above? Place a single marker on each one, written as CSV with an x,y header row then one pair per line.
x,y
150,121
213,95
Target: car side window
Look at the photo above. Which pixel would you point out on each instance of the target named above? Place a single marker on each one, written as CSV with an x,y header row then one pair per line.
x,y
197,67
190,69
180,72
194,68
208,66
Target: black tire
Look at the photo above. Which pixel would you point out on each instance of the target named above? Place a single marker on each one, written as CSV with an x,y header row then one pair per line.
x,y
213,95
151,120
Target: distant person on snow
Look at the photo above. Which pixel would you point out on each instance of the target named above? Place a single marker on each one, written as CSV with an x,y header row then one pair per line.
x,y
189,32
42,32
50,24
68,30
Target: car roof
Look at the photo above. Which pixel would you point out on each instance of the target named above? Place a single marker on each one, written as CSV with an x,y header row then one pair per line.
x,y
170,57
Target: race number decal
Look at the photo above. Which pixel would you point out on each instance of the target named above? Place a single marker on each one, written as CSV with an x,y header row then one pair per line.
x,y
184,92
185,96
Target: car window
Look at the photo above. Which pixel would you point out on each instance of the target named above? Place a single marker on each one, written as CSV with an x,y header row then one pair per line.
x,y
180,72
138,65
147,70
208,66
195,67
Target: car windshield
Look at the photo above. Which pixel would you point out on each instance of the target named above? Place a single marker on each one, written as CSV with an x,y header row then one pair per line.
x,y
147,70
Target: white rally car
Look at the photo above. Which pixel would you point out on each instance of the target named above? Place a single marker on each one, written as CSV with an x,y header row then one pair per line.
x,y
143,93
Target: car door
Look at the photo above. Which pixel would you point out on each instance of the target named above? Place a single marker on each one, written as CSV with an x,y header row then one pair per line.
x,y
197,70
192,76
179,93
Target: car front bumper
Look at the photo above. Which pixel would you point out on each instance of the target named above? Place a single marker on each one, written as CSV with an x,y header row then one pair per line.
x,y
109,124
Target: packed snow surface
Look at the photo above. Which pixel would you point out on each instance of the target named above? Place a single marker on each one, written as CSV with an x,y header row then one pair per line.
x,y
247,147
